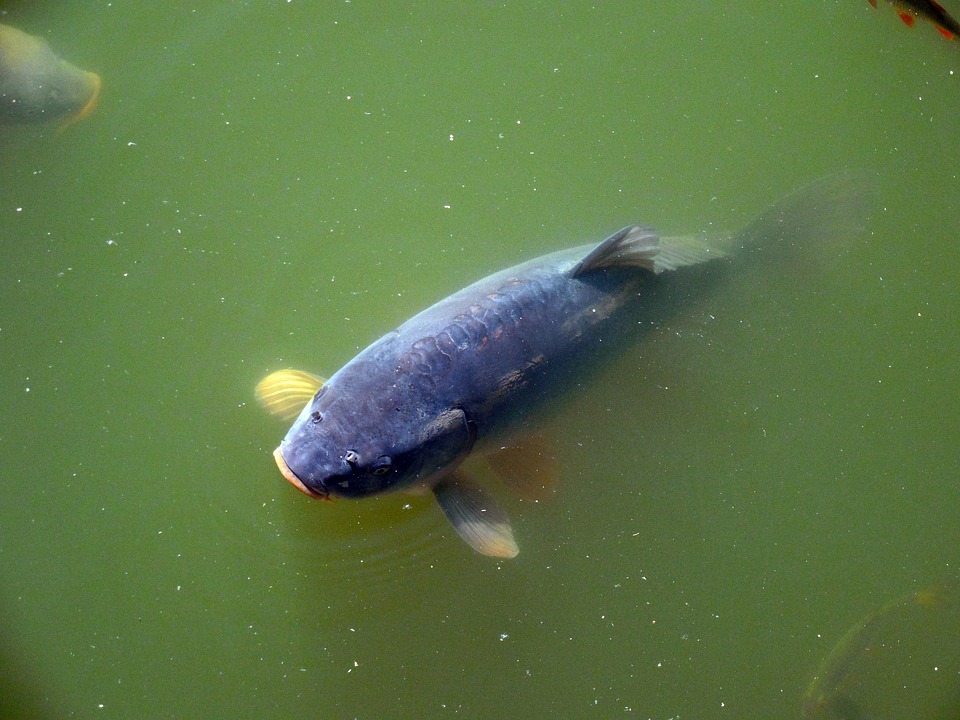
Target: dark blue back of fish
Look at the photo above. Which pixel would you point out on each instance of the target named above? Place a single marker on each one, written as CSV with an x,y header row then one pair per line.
x,y
456,377
501,356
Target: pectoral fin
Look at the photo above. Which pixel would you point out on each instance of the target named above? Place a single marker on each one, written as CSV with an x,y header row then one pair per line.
x,y
527,466
476,517
284,392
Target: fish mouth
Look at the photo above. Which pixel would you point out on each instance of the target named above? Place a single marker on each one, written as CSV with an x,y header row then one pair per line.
x,y
293,479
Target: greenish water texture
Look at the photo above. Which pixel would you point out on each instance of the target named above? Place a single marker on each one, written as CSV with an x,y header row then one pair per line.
x,y
276,184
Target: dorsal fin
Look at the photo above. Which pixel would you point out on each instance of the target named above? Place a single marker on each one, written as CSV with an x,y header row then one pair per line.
x,y
634,245
639,246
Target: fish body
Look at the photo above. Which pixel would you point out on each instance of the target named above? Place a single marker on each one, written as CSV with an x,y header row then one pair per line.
x,y
38,86
472,374
453,378
930,10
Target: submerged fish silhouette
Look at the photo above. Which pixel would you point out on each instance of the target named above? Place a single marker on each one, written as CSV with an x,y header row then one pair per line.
x,y
930,10
37,86
901,660
471,374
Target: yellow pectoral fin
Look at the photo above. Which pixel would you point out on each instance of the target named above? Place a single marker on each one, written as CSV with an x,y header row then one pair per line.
x,y
284,392
476,516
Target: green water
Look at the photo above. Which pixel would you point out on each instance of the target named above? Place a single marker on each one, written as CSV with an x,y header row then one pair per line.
x,y
276,184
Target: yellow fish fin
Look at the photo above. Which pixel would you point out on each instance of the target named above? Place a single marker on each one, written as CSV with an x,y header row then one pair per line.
x,y
476,516
284,393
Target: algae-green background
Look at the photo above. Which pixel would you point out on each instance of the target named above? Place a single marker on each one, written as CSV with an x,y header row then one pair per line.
x,y
277,183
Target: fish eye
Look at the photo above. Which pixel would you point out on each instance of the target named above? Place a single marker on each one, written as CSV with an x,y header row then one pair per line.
x,y
381,471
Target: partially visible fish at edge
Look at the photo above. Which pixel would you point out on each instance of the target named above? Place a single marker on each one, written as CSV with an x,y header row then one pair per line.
x,y
930,10
38,86
880,661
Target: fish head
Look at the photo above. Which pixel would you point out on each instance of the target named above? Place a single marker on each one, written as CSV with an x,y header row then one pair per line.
x,y
68,92
354,441
38,85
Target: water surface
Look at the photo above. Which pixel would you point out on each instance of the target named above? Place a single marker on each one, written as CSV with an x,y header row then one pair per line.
x,y
277,184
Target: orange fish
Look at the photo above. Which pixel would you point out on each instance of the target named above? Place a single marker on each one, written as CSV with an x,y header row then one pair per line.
x,y
910,10
37,86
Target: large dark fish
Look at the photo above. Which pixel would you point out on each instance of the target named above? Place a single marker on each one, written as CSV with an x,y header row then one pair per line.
x,y
472,374
37,86
930,10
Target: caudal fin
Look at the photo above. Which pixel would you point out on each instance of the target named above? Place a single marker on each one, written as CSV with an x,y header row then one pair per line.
x,y
834,207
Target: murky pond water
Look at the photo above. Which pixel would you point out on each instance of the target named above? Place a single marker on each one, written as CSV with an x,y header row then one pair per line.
x,y
276,184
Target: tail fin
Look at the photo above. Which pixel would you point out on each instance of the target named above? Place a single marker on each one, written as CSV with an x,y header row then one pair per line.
x,y
833,207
